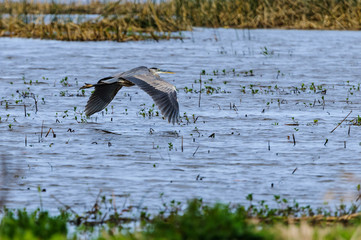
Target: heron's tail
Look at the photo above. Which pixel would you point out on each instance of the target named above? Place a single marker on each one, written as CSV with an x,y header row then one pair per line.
x,y
87,85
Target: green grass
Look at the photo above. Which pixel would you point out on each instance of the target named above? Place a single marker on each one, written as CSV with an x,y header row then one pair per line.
x,y
21,224
194,220
205,222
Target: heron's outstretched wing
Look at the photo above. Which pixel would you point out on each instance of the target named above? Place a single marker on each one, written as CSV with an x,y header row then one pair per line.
x,y
101,97
163,93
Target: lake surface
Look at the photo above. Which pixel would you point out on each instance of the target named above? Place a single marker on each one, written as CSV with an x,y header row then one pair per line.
x,y
263,128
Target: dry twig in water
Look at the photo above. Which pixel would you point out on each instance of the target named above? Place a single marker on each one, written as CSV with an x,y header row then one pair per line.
x,y
341,122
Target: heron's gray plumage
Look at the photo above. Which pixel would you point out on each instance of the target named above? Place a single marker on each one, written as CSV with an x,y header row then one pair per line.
x,y
101,97
163,93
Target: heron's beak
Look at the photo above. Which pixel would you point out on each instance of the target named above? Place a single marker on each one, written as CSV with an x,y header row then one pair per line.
x,y
164,71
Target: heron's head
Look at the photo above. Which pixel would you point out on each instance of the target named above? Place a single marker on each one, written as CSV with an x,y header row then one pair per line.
x,y
158,71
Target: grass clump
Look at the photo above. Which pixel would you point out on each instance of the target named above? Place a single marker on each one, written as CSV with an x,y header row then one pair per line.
x,y
205,222
21,224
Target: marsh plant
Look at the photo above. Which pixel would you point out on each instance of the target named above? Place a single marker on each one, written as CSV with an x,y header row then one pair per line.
x,y
193,220
132,21
148,112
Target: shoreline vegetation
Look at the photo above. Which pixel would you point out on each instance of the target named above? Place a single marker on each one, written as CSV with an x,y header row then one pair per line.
x,y
194,220
126,21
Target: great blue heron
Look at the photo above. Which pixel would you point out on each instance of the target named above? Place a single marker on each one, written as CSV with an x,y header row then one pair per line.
x,y
163,93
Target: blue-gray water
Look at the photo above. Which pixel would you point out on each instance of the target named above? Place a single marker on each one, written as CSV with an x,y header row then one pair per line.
x,y
253,119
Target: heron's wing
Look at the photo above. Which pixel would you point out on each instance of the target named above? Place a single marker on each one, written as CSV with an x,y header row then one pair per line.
x,y
135,71
163,93
101,97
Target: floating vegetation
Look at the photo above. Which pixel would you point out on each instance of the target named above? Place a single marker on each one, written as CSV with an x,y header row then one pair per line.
x,y
269,89
131,21
208,89
266,52
148,112
356,121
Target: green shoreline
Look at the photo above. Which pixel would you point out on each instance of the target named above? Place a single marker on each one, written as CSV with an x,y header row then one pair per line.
x,y
193,220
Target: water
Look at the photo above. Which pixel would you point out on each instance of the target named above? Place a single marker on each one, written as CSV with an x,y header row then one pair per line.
x,y
122,153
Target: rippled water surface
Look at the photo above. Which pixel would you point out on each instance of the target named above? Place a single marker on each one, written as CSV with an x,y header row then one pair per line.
x,y
263,127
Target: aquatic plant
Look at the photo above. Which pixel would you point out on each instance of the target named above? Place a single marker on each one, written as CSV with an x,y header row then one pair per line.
x,y
193,220
148,111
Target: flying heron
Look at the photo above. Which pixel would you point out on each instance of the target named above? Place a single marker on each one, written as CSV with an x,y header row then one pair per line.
x,y
163,93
